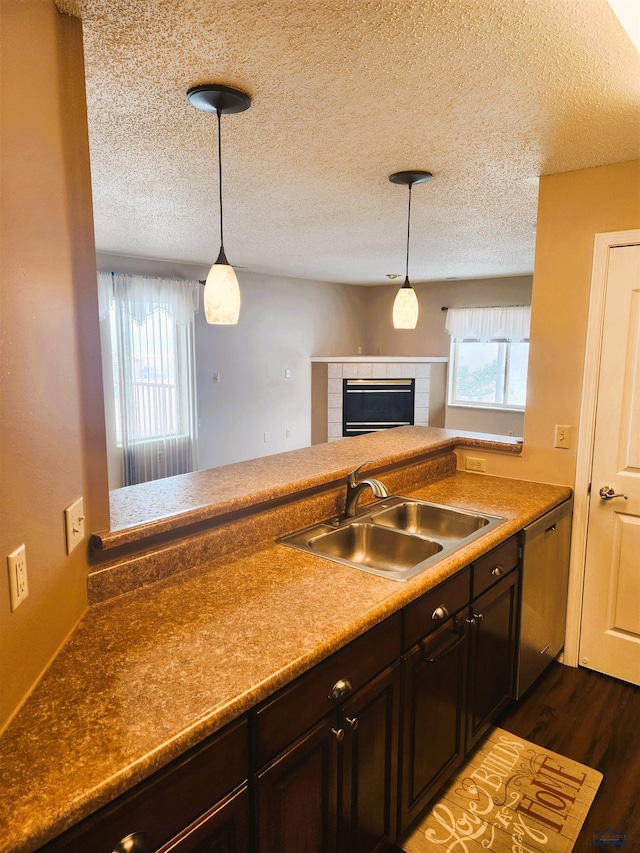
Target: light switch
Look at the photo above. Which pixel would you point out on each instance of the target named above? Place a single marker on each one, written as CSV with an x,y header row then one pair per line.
x,y
74,524
563,436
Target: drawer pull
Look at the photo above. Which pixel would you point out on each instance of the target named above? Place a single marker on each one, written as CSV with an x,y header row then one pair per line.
x,y
338,734
497,571
343,687
444,650
440,612
353,723
133,843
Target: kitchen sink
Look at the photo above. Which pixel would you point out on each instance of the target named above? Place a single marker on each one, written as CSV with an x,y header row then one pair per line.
x,y
431,520
396,537
380,548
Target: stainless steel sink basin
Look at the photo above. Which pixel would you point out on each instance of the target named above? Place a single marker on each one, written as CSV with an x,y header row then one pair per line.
x,y
396,537
431,520
380,548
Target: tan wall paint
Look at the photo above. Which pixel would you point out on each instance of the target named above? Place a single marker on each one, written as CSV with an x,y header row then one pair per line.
x,y
51,419
572,208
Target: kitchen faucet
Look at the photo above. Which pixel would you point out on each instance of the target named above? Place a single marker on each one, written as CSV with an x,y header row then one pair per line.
x,y
355,488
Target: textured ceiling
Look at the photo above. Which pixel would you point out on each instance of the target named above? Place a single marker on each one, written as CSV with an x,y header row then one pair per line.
x,y
486,94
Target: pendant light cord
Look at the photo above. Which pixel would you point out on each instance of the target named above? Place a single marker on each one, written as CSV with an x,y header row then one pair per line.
x,y
406,277
220,173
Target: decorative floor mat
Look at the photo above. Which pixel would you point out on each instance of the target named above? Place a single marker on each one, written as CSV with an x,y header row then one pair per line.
x,y
511,795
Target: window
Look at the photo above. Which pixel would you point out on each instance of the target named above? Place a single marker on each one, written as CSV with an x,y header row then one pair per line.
x,y
489,356
148,353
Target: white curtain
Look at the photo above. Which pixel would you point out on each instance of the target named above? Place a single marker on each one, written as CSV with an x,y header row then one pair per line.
x,y
502,323
149,324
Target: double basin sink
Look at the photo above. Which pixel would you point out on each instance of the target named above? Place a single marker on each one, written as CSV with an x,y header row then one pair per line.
x,y
396,537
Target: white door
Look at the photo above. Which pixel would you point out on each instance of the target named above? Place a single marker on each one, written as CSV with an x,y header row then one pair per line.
x,y
610,633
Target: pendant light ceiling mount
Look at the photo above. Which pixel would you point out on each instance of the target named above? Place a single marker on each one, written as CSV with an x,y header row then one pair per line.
x,y
221,291
411,177
213,98
405,306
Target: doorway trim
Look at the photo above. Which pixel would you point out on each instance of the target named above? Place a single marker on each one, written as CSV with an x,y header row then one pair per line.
x,y
603,243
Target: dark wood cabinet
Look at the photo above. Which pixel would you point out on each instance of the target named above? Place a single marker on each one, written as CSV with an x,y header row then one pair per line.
x,y
192,791
369,765
223,829
297,795
433,714
330,743
492,654
335,787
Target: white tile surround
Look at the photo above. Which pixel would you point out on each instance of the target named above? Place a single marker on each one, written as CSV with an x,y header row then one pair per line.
x,y
376,368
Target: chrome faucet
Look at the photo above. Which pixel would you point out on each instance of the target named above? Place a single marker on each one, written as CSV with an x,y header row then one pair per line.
x,y
355,488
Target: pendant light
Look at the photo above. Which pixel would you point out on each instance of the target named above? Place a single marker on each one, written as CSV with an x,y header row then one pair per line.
x,y
405,306
221,291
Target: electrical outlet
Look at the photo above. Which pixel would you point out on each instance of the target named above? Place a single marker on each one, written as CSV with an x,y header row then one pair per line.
x,y
287,373
74,524
287,433
17,562
562,436
475,463
216,377
266,437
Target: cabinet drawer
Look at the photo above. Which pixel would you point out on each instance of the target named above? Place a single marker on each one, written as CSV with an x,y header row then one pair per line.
x,y
494,565
299,706
169,801
430,611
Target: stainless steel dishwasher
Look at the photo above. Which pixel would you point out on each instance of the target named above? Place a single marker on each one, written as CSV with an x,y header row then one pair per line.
x,y
545,577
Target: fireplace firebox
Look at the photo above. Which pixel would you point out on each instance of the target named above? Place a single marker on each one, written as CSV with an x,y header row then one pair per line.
x,y
371,405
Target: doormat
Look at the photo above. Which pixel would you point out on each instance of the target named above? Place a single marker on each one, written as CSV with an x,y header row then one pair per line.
x,y
512,795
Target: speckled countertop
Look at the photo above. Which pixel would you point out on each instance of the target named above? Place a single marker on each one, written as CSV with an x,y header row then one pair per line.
x,y
149,674
149,509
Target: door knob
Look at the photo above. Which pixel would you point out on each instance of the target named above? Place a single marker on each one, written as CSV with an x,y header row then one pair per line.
x,y
606,493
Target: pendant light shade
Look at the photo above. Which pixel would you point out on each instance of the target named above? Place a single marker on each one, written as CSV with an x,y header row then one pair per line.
x,y
221,290
222,294
405,306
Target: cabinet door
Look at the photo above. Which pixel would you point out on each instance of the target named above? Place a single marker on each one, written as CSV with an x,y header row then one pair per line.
x,y
297,794
492,655
224,829
434,713
369,755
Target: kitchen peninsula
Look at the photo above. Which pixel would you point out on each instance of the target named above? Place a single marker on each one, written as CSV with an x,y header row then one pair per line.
x,y
197,616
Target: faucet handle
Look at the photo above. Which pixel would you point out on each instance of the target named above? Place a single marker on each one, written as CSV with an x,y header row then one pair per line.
x,y
352,476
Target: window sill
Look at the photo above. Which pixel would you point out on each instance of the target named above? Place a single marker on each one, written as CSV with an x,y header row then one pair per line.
x,y
486,407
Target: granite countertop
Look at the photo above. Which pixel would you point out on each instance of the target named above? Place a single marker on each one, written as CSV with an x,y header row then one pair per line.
x,y
149,509
151,673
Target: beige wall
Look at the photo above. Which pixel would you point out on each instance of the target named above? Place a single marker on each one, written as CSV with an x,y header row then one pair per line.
x,y
572,208
283,323
51,419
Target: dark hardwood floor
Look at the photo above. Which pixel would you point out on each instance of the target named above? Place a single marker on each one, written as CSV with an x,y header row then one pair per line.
x,y
593,719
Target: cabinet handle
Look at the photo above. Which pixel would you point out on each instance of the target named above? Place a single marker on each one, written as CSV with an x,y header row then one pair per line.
x,y
339,734
133,843
497,571
353,723
478,617
440,612
343,687
444,651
